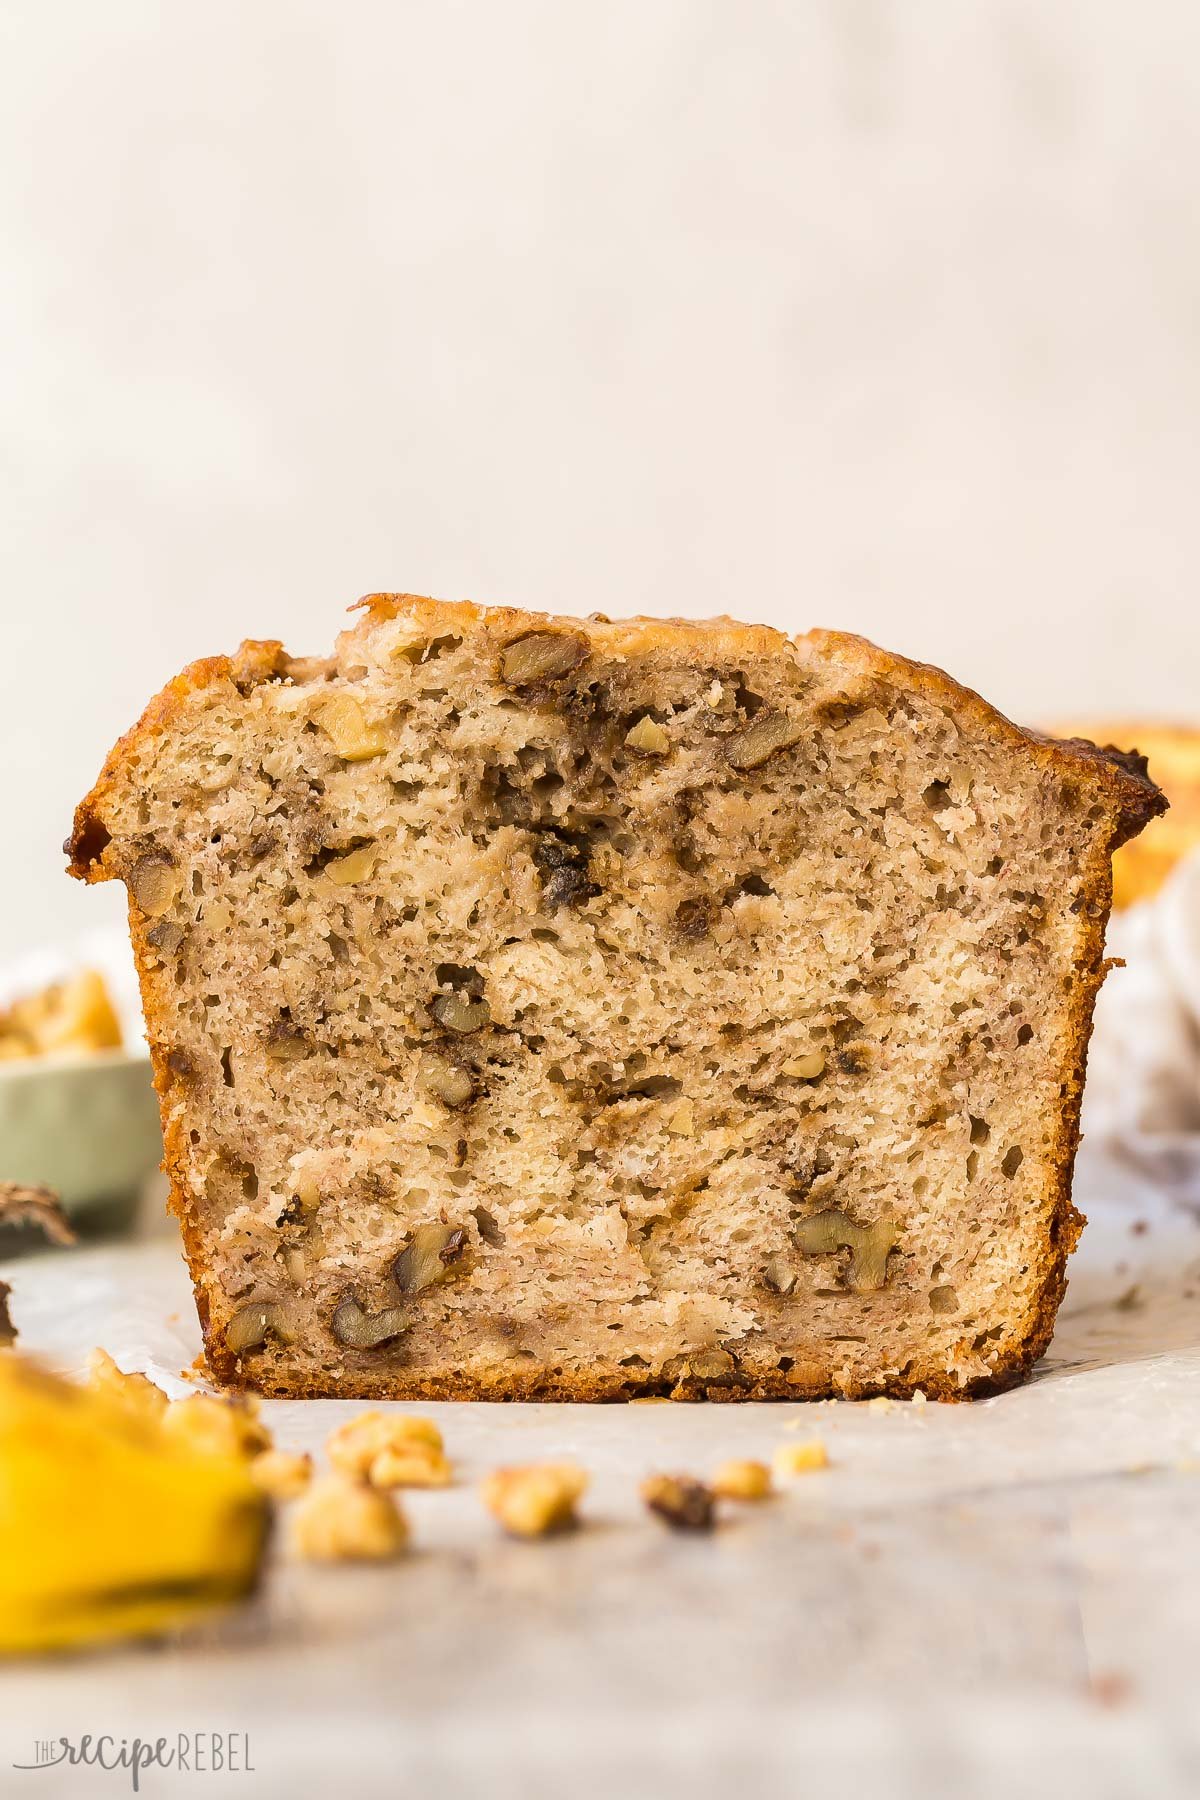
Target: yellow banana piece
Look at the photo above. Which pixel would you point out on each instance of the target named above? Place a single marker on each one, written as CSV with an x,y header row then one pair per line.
x,y
108,1528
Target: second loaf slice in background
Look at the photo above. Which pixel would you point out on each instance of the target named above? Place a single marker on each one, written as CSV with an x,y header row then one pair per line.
x,y
546,1008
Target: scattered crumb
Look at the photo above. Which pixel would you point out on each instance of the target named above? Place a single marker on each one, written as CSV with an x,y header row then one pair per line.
x,y
343,1520
1139,1228
1132,1300
685,1503
354,1446
800,1459
283,1474
742,1479
880,1404
919,1397
651,1400
535,1499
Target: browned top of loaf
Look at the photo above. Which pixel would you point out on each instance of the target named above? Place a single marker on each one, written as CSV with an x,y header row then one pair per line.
x,y
1122,774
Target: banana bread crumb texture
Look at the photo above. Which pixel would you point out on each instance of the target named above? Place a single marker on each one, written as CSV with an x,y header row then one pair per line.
x,y
546,1008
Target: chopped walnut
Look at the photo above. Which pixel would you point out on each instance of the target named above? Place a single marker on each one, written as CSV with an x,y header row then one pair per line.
x,y
742,1479
357,865
432,1255
251,1326
647,737
283,1474
541,656
343,1520
766,733
716,1367
154,881
869,1245
448,1084
779,1276
167,937
535,1499
685,1503
800,1459
353,736
359,1329
459,1012
681,1121
413,1465
204,1423
354,1446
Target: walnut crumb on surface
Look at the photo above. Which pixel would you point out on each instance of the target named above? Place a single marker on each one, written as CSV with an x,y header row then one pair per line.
x,y
685,1503
203,1422
413,1465
800,1459
535,1499
344,1520
356,1445
742,1478
283,1474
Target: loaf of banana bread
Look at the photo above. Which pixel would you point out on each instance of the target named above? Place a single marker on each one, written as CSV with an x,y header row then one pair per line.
x,y
546,1008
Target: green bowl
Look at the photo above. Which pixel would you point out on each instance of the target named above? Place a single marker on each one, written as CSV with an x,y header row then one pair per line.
x,y
85,1125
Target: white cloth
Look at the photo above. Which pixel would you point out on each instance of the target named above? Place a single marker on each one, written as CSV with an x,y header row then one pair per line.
x,y
1142,1099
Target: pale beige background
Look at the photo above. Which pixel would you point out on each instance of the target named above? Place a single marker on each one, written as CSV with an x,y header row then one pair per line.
x,y
859,312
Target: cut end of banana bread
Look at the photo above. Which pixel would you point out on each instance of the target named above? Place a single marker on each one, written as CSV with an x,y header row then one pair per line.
x,y
546,1008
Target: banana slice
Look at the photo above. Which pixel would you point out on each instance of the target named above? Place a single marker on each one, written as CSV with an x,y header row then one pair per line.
x,y
111,1529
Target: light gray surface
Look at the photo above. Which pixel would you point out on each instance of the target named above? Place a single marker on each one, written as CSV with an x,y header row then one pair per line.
x,y
973,1600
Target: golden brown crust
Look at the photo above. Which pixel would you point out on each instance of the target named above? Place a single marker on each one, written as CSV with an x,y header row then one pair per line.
x,y
1172,752
1123,778
503,1384
1123,789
